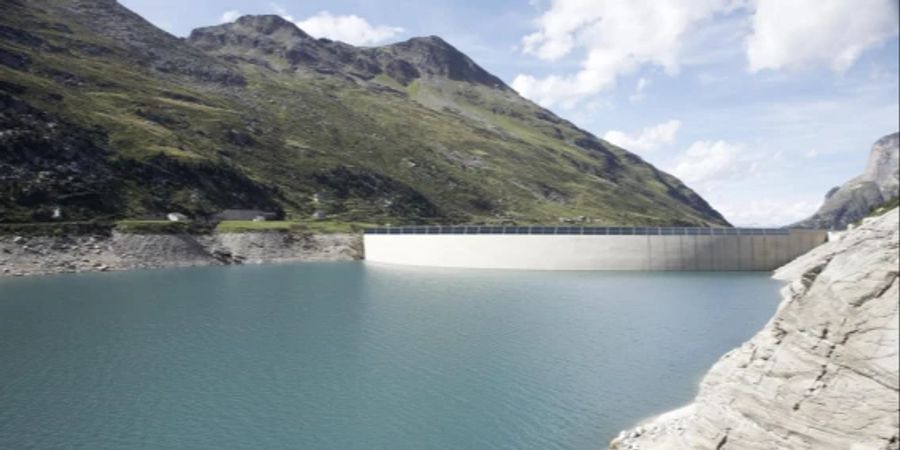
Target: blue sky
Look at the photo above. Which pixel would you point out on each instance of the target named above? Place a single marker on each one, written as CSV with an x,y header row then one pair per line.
x,y
759,105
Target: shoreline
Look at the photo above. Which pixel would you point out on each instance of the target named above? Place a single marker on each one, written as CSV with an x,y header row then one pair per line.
x,y
22,256
828,353
661,424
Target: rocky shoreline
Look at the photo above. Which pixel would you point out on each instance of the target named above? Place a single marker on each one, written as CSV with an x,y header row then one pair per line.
x,y
43,255
823,373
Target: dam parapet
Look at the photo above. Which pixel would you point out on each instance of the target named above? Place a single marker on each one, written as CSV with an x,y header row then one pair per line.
x,y
591,248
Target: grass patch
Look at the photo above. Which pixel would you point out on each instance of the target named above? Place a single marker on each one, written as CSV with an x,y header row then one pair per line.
x,y
55,228
413,89
187,227
175,153
885,207
194,106
335,227
249,226
881,209
389,82
161,227
316,227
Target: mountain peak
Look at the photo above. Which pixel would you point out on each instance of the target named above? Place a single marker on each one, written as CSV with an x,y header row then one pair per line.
x,y
434,56
432,40
250,27
854,199
882,168
275,42
269,24
126,34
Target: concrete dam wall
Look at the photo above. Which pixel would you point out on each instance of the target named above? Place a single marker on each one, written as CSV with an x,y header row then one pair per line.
x,y
591,248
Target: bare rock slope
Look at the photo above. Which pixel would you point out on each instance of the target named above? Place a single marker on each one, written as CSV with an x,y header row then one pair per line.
x,y
39,255
852,201
822,374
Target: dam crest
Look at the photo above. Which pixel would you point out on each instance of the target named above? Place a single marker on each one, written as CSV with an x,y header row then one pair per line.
x,y
590,248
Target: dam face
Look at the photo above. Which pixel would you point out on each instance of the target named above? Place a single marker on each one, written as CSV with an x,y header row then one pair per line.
x,y
590,248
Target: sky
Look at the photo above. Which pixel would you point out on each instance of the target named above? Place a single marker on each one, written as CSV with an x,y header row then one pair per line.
x,y
761,106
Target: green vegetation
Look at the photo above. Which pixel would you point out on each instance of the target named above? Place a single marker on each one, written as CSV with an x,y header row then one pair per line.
x,y
884,207
242,226
55,229
320,227
879,210
188,227
335,227
107,130
161,227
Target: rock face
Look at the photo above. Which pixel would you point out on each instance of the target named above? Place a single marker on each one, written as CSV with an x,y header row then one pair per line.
x,y
277,44
20,256
853,201
145,45
884,165
822,374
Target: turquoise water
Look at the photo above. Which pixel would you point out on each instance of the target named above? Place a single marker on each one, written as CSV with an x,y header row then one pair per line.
x,y
355,356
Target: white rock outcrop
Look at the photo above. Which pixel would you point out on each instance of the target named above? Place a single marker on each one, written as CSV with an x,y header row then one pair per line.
x,y
822,375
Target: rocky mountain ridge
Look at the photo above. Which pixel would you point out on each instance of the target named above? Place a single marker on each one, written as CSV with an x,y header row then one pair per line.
x,y
141,42
123,120
275,43
850,202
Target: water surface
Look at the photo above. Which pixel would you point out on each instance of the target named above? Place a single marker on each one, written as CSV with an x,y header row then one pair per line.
x,y
356,356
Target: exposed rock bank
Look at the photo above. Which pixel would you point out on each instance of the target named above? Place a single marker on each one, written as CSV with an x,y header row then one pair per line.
x,y
823,373
21,255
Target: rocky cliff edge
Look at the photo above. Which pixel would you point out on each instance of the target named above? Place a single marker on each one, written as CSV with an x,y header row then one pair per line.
x,y
822,374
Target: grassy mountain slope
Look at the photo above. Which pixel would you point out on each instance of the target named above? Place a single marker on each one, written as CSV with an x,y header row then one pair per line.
x,y
106,116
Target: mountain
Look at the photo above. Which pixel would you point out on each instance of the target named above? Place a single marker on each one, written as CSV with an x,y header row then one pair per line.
x,y
879,183
273,42
105,116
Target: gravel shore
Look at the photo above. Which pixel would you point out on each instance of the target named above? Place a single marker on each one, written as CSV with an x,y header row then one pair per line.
x,y
41,255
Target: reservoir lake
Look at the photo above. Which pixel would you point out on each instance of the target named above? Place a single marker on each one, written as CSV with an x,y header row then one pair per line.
x,y
359,356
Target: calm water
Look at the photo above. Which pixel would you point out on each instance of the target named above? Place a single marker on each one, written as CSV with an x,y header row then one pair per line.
x,y
350,356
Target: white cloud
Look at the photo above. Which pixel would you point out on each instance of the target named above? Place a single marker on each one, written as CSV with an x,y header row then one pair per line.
x,y
639,90
745,184
229,16
620,37
767,213
710,162
649,139
800,33
734,180
351,29
617,36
